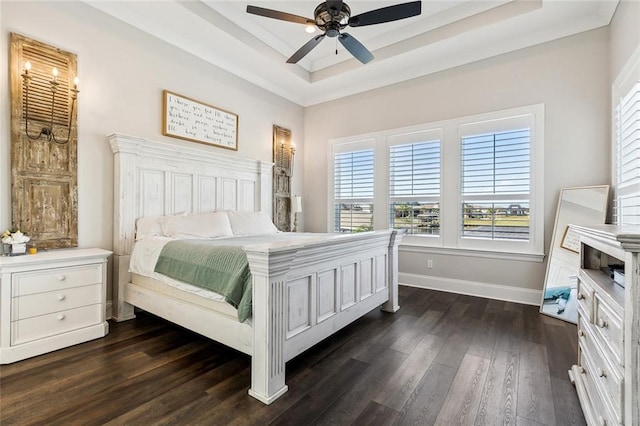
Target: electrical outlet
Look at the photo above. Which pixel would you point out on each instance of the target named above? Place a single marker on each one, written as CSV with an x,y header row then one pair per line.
x,y
429,264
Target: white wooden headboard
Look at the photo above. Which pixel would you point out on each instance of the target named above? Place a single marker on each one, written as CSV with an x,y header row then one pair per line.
x,y
159,178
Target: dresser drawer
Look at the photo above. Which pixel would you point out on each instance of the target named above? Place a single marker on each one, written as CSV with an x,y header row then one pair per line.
x,y
30,329
607,378
33,305
55,279
601,409
585,297
609,328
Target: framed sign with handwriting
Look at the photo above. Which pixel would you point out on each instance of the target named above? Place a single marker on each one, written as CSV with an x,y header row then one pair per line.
x,y
186,118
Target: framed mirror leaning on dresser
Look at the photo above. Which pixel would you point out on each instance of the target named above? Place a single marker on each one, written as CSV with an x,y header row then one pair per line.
x,y
586,205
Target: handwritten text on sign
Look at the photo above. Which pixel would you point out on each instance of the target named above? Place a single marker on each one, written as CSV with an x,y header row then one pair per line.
x,y
188,119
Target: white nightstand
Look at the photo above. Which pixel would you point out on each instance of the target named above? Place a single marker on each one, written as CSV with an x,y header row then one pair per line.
x,y
51,300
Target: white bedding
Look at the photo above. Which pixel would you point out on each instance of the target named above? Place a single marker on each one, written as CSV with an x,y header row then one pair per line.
x,y
147,250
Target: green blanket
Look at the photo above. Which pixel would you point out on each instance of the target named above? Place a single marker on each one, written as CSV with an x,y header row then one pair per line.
x,y
207,264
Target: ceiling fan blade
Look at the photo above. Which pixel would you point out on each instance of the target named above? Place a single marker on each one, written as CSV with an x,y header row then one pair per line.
x,y
334,7
308,47
356,48
275,14
387,14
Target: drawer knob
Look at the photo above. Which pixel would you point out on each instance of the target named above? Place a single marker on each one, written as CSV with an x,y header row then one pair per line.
x,y
602,373
61,297
602,421
602,323
580,296
61,317
61,277
581,369
580,333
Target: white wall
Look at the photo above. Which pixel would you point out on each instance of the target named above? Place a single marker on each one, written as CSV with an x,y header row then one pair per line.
x,y
569,76
625,35
122,73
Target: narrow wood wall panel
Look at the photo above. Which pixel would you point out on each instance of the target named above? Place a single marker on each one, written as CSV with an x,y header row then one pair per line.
x,y
348,284
367,273
229,194
206,194
182,193
299,296
327,290
381,272
44,195
153,192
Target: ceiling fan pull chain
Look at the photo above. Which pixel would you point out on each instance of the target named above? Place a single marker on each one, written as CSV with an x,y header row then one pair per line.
x,y
336,45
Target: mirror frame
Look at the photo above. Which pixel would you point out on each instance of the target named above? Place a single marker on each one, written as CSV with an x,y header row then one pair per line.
x,y
559,300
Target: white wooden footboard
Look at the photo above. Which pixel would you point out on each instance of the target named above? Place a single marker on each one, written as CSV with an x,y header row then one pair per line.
x,y
304,294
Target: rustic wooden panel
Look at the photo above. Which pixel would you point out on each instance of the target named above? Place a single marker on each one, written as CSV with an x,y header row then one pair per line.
x,y
298,296
182,187
282,173
228,194
326,289
152,188
348,284
367,274
44,195
207,194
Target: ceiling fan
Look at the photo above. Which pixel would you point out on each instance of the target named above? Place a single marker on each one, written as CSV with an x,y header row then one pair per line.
x,y
333,16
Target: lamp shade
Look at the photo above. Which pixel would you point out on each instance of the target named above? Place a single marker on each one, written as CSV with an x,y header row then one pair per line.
x,y
296,204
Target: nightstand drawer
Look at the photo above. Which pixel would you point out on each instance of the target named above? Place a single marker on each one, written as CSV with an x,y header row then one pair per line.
x,y
30,329
609,327
54,301
55,279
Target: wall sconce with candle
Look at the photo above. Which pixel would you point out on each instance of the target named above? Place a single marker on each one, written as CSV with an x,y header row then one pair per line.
x,y
284,152
48,130
296,207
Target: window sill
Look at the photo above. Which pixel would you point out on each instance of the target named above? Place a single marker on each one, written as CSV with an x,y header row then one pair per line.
x,y
522,257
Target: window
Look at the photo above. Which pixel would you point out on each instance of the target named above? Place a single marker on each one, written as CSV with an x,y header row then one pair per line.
x,y
627,158
414,187
353,191
496,184
469,183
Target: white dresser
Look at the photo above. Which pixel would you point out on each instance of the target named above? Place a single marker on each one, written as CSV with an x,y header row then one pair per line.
x,y
51,300
608,370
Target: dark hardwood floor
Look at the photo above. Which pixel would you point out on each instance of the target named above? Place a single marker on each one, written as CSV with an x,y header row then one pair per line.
x,y
442,359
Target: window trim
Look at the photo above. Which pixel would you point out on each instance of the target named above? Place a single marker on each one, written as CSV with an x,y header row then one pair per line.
x,y
626,80
450,196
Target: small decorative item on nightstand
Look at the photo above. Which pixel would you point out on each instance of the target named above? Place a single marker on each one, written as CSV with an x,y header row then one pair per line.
x,y
14,243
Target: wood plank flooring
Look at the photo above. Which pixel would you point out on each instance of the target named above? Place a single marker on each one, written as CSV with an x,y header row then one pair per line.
x,y
443,359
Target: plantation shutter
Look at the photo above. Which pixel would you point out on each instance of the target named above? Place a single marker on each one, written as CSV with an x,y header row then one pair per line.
x,y
627,142
353,191
496,185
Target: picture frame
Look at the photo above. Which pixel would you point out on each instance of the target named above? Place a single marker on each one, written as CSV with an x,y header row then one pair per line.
x,y
570,240
192,120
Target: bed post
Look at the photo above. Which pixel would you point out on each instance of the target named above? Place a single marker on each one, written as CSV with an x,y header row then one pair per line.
x,y
269,323
125,153
394,241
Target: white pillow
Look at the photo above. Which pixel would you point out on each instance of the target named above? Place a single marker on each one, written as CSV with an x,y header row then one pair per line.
x,y
148,226
251,223
207,225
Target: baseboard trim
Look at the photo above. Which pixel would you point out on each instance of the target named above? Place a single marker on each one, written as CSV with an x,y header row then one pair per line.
x,y
472,288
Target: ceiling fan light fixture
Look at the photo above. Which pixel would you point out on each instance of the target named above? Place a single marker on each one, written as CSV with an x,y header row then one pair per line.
x,y
333,16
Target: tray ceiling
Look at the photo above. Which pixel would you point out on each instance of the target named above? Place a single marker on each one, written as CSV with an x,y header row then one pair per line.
x,y
447,34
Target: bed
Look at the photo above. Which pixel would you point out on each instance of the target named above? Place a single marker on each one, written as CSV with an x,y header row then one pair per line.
x,y
304,288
